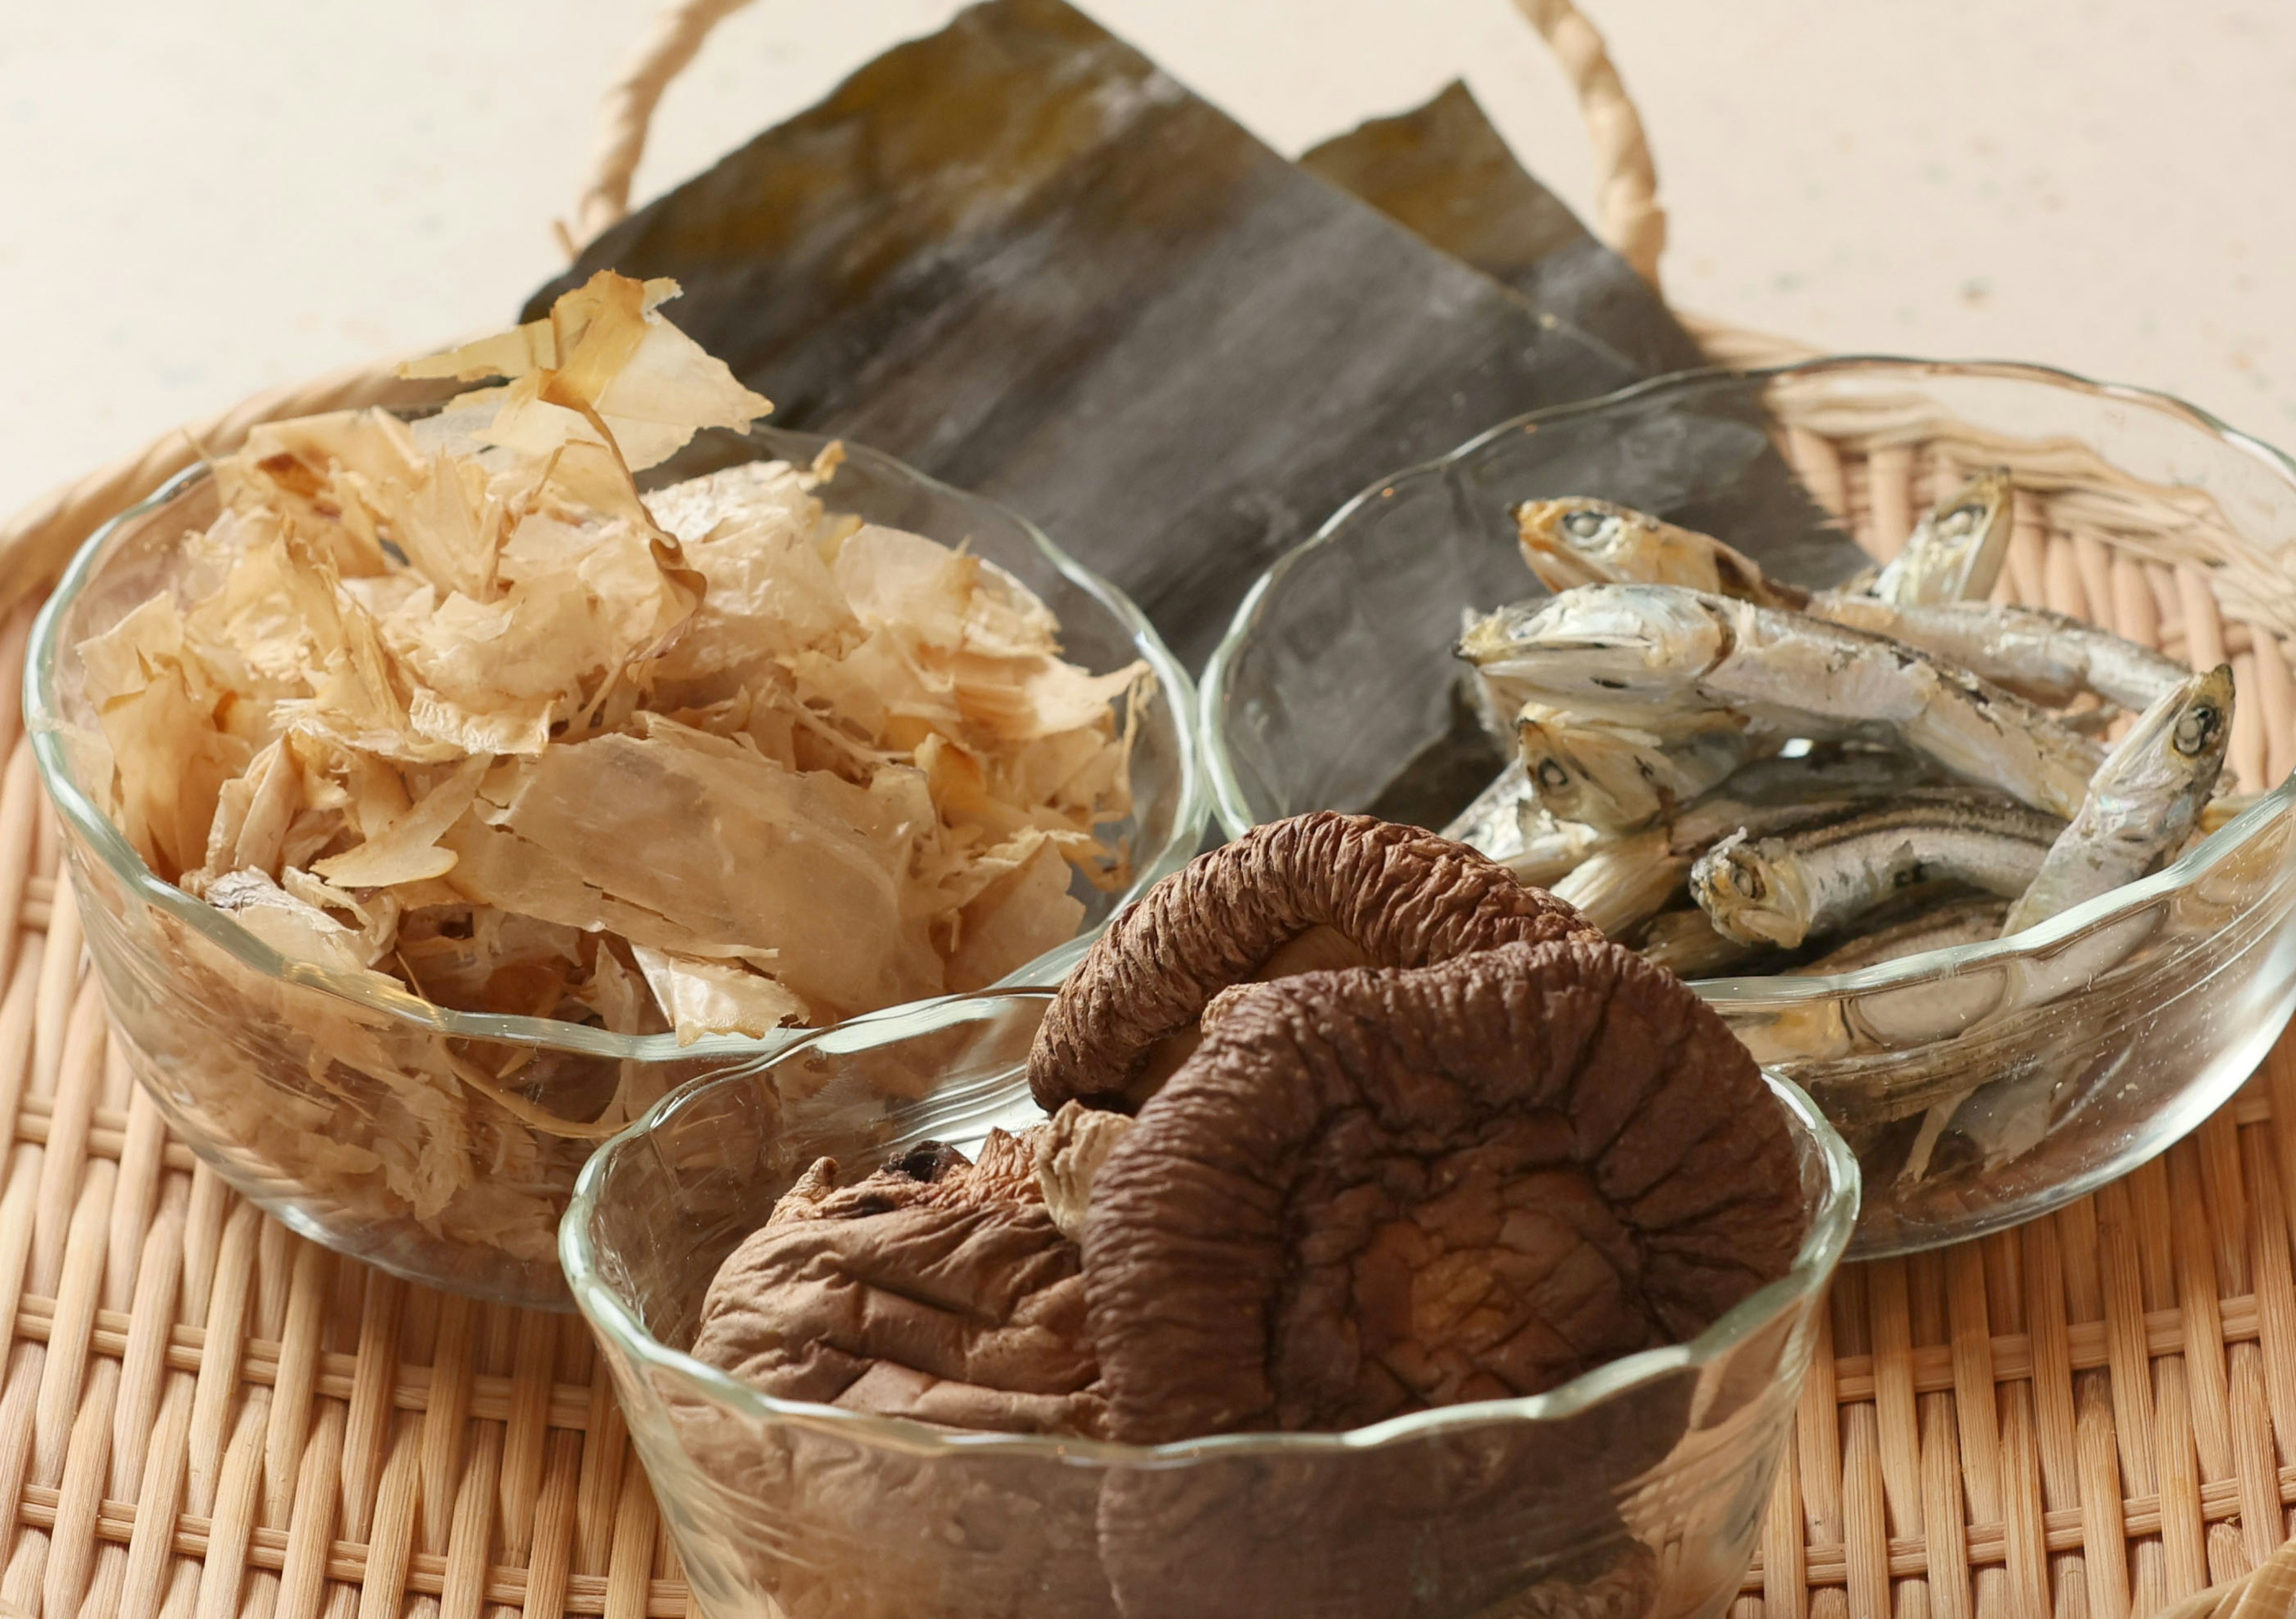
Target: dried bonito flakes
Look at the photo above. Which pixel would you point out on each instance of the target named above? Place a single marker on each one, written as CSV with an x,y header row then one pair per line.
x,y
450,703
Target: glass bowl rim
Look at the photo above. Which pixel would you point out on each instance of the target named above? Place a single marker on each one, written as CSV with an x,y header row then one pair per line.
x,y
1821,1251
1234,814
45,722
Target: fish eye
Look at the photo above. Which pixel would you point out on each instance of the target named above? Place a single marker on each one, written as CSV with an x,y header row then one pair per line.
x,y
1584,524
2197,730
1964,514
1553,775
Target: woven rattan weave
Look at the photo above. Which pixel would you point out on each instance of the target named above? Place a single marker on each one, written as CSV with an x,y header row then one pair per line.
x,y
203,1415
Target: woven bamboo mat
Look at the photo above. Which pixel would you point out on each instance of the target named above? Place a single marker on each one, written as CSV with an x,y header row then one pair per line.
x,y
2093,1414
201,1415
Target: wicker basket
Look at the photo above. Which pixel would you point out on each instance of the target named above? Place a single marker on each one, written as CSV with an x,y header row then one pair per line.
x,y
201,1414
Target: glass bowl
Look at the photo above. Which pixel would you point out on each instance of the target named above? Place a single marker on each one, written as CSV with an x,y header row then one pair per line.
x,y
1646,1478
443,1145
2118,1026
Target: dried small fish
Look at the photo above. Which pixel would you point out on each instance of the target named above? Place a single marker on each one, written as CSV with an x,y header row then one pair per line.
x,y
2046,657
1630,652
2001,1121
1811,774
1580,541
2221,811
1783,888
1687,943
1621,884
1620,778
1955,552
1970,919
2142,804
1625,882
1507,822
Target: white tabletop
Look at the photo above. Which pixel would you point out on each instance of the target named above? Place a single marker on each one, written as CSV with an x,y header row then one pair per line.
x,y
196,201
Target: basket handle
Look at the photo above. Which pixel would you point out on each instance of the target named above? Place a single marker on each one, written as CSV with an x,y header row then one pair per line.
x,y
36,542
1628,215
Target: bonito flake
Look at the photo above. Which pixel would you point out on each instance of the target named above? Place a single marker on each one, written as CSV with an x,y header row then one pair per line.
x,y
450,702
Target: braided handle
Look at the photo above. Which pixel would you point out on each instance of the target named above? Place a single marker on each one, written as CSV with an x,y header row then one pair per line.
x,y
37,541
1628,215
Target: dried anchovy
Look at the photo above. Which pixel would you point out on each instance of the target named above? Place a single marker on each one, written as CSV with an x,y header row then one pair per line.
x,y
1629,881
1507,822
2142,804
1970,919
1782,889
1928,596
1577,541
1621,778
2045,657
1627,651
1956,551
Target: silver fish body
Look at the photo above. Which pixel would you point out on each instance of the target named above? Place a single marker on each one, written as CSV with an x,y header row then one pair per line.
x,y
2143,802
1789,886
1971,919
1627,880
1611,651
2044,656
1507,823
1956,551
1687,944
1577,541
1620,778
1828,771
1626,651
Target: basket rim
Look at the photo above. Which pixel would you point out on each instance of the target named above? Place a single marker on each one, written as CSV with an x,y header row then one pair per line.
x,y
371,991
1833,1218
1233,813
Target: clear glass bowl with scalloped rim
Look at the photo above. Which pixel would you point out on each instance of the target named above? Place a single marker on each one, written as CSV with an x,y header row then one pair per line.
x,y
1637,1487
2112,1029
371,1119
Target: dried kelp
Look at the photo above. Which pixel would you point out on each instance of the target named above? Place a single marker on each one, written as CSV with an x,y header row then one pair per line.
x,y
1018,255
1444,173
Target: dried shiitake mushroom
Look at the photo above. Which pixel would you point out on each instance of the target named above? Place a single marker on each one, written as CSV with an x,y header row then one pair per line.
x,y
1315,892
936,1289
1371,1193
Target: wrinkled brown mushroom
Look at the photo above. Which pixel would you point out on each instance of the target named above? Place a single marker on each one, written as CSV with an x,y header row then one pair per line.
x,y
1372,1192
1315,892
936,1289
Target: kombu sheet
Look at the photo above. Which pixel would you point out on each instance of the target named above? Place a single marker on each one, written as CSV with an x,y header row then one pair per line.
x,y
1021,257
1444,173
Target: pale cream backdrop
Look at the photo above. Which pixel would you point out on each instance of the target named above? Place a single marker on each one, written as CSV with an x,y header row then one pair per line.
x,y
197,200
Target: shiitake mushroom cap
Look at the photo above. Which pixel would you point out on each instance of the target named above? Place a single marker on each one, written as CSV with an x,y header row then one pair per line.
x,y
1316,891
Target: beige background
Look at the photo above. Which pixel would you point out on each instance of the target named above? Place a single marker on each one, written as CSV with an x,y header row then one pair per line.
x,y
198,200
